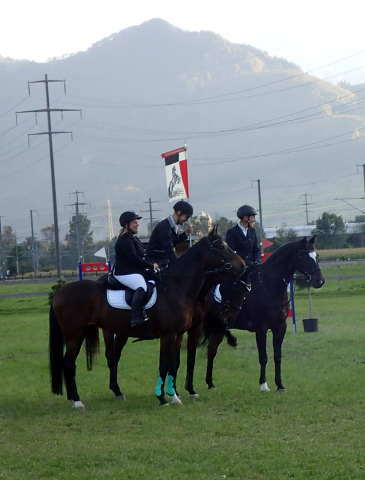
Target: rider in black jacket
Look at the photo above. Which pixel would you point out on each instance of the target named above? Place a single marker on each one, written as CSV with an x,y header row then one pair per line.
x,y
164,238
242,238
130,265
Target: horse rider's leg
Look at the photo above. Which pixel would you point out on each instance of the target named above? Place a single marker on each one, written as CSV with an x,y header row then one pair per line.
x,y
214,342
277,339
113,349
261,339
194,334
69,367
166,344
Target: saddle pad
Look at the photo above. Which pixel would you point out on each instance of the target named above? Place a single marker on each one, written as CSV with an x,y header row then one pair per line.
x,y
217,294
116,299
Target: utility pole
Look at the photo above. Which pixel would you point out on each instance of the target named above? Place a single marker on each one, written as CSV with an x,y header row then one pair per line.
x,y
150,210
48,110
78,230
306,205
260,212
33,246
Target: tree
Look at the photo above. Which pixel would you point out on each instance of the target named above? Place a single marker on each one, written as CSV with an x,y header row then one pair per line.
x,y
330,230
47,253
201,225
71,239
223,225
284,235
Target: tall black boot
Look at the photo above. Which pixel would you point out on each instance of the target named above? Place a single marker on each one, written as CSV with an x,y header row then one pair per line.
x,y
137,314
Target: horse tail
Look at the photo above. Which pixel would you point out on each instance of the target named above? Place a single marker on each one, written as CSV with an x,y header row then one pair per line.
x,y
56,342
91,345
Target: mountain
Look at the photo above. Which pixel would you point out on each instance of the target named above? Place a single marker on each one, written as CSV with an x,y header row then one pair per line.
x,y
244,115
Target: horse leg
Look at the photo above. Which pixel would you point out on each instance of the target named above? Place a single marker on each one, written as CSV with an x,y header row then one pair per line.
x,y
261,338
194,335
69,367
173,369
113,349
214,342
278,337
166,344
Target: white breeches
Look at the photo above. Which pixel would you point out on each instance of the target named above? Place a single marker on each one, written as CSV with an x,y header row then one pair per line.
x,y
133,281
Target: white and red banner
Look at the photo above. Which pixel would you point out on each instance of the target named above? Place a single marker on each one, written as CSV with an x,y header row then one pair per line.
x,y
176,166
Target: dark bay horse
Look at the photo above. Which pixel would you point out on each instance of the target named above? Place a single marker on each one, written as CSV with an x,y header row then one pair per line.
x,y
220,308
266,306
80,308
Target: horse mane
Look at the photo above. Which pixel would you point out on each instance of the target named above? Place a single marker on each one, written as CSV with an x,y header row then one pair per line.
x,y
285,249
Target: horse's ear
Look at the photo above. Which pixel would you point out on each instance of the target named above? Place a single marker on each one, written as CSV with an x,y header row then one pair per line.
x,y
312,239
303,243
216,229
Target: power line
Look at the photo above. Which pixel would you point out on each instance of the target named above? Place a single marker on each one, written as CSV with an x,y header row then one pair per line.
x,y
50,133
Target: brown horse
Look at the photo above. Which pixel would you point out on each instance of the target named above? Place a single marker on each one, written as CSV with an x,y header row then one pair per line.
x,y
79,308
220,308
231,292
266,306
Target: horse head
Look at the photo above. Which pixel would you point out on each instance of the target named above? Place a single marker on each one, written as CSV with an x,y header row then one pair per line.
x,y
222,257
233,292
308,264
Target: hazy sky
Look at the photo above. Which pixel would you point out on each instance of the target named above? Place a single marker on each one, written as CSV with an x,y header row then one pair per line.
x,y
312,34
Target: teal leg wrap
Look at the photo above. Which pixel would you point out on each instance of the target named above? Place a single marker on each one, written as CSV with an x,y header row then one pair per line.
x,y
170,390
158,391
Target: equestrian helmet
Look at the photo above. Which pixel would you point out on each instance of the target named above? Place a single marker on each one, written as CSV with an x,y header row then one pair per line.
x,y
184,207
246,210
127,217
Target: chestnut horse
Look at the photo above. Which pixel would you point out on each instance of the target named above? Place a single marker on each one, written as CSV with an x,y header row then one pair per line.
x,y
78,309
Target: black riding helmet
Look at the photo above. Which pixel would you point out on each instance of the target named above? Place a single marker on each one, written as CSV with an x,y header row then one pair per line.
x,y
127,217
245,210
184,207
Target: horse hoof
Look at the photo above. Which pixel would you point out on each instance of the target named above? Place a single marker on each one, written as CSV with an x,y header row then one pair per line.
x,y
175,399
281,389
78,405
264,388
120,397
164,405
193,396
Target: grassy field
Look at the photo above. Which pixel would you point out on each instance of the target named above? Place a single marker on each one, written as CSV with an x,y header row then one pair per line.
x,y
314,430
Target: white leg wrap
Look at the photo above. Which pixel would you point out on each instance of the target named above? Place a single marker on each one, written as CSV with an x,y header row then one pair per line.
x,y
264,388
175,399
78,405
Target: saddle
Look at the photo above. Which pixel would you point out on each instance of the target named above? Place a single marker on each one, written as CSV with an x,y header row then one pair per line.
x,y
120,296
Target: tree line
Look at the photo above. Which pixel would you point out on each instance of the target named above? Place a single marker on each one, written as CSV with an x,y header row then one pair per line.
x,y
38,255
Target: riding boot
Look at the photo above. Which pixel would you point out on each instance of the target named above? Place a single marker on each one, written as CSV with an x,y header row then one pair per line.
x,y
137,314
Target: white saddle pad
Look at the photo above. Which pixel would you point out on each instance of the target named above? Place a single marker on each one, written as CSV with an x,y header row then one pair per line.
x,y
217,294
116,299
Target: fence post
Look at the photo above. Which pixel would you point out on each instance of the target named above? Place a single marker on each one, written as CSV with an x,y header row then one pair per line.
x,y
339,277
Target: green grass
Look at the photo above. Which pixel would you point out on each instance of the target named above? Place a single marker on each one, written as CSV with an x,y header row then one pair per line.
x,y
314,430
8,288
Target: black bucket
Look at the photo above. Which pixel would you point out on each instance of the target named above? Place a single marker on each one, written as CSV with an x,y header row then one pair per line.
x,y
310,324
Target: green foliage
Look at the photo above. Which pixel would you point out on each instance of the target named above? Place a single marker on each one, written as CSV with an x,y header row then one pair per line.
x,y
54,289
330,230
283,235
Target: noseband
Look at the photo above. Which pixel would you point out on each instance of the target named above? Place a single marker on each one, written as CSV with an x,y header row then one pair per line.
x,y
307,273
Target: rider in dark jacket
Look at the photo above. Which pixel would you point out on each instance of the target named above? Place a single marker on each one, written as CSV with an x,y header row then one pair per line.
x,y
243,239
130,265
165,237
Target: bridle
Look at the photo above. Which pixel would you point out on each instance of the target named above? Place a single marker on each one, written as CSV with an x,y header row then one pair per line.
x,y
226,264
307,273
